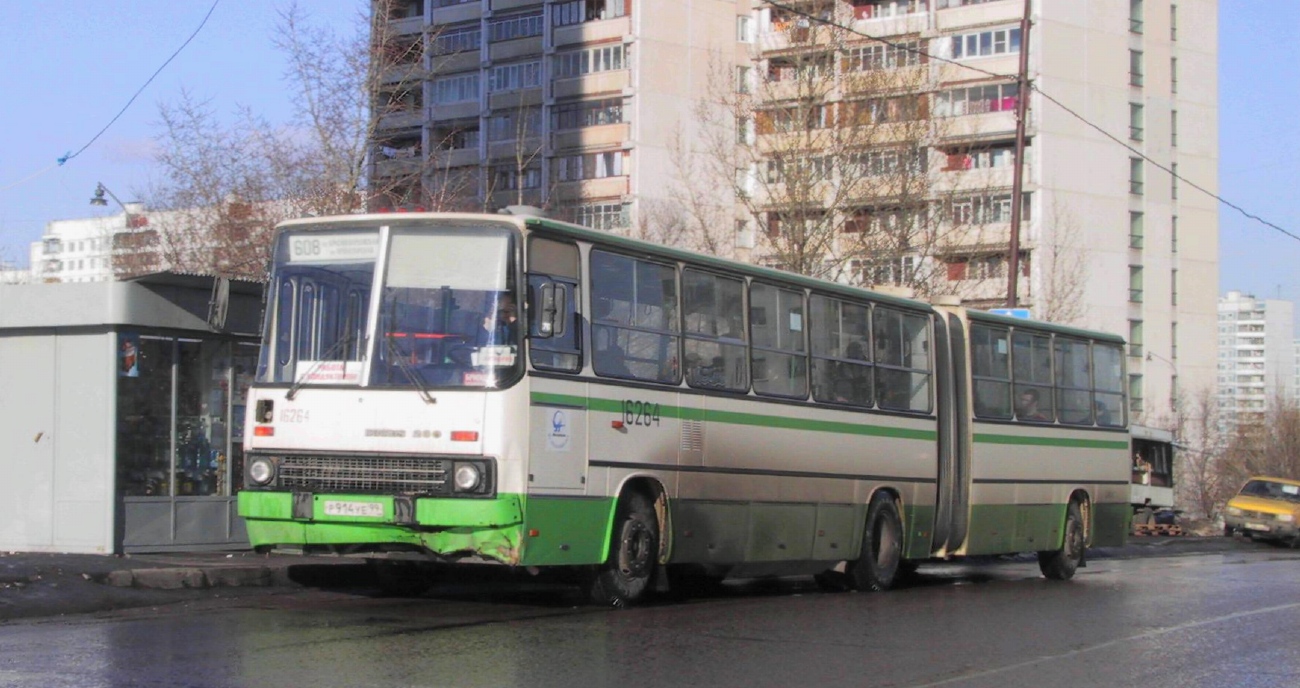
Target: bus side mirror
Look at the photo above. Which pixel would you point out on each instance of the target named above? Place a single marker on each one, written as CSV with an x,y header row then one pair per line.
x,y
550,318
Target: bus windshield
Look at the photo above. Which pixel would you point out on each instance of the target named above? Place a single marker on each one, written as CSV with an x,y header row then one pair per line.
x,y
317,315
448,316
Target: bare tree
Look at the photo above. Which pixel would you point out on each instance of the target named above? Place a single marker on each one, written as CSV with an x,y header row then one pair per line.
x,y
355,142
1197,426
1269,448
849,160
1063,268
694,215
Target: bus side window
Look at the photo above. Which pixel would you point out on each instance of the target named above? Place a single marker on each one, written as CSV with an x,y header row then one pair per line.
x,y
1031,356
635,329
713,308
558,263
991,371
1108,383
779,360
902,343
1073,381
842,371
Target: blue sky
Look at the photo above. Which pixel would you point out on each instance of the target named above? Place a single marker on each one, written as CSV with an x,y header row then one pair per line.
x,y
67,72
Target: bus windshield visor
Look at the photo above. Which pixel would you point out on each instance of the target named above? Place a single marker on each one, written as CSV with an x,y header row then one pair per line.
x,y
449,316
317,315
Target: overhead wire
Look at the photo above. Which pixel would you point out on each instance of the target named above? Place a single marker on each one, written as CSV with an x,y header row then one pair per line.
x,y
1034,87
63,159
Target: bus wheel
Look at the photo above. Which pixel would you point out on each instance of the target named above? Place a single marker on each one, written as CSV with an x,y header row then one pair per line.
x,y
401,578
1060,564
882,547
625,576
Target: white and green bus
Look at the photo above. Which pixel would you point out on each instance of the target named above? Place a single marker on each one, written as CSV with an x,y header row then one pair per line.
x,y
437,389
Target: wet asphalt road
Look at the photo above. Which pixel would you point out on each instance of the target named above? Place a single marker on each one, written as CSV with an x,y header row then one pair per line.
x,y
1227,619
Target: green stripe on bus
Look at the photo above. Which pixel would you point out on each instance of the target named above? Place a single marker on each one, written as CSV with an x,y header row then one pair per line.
x,y
987,438
734,418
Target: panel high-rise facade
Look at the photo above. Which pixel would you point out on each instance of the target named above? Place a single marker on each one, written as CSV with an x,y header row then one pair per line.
x,y
895,121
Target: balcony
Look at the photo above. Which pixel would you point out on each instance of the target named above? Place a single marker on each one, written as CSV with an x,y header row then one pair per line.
x,y
892,18
401,119
598,136
592,84
590,31
609,187
980,14
516,48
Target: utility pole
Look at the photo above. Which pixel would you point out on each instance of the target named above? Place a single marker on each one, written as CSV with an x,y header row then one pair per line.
x,y
1018,178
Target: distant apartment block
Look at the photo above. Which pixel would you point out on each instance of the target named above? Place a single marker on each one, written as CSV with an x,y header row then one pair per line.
x,y
585,106
1257,357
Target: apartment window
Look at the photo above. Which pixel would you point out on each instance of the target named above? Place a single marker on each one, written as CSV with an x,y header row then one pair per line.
x,y
510,178
1135,121
451,3
743,128
1135,283
457,40
457,135
1173,128
602,215
515,124
512,77
578,11
1173,75
579,62
571,168
745,29
456,89
896,271
743,76
891,161
1135,338
986,43
1173,22
1173,287
1173,181
587,114
993,157
1135,67
1135,176
880,110
1135,393
1173,234
1135,16
516,26
880,56
977,100
1136,229
989,209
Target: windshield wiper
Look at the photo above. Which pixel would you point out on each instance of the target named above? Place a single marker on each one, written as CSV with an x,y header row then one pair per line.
x,y
306,374
406,368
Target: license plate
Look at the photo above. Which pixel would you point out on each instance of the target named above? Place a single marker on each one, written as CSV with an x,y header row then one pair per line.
x,y
368,509
1256,526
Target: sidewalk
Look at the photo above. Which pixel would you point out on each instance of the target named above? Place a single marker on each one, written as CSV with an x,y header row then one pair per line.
x,y
37,584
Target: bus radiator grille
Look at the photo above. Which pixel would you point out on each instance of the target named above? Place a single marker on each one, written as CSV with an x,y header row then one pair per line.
x,y
364,474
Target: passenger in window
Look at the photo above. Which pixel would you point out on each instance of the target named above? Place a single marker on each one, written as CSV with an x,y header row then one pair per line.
x,y
1102,413
1027,406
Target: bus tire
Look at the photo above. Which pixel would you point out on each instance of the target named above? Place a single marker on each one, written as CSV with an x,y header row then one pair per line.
x,y
401,578
1061,564
625,576
876,567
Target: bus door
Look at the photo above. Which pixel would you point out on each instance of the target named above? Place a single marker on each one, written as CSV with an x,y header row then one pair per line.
x,y
953,493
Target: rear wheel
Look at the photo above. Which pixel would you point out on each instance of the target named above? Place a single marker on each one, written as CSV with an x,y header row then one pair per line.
x,y
624,578
876,567
1061,564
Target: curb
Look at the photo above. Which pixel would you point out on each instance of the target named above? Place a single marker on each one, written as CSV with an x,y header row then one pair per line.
x,y
179,578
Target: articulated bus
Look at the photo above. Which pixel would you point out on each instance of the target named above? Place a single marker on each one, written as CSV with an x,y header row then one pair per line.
x,y
437,389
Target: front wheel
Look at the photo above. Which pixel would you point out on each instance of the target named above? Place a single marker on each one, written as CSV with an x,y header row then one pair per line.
x,y
877,566
1061,564
624,578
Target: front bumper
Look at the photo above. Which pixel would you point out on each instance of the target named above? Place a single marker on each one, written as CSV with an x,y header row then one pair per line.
x,y
1262,527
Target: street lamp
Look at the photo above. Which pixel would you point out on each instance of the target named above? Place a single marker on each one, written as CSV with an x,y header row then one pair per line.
x,y
98,198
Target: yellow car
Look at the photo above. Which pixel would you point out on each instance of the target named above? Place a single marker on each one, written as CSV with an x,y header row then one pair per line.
x,y
1266,509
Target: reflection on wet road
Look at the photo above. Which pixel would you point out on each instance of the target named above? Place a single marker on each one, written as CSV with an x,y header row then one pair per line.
x,y
1206,620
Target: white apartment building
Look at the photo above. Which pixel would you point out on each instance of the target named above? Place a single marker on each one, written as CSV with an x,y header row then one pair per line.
x,y
1257,357
82,249
583,105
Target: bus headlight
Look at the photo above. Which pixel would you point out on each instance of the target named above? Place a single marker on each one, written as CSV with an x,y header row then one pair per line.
x,y
1286,518
1234,511
468,477
261,471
